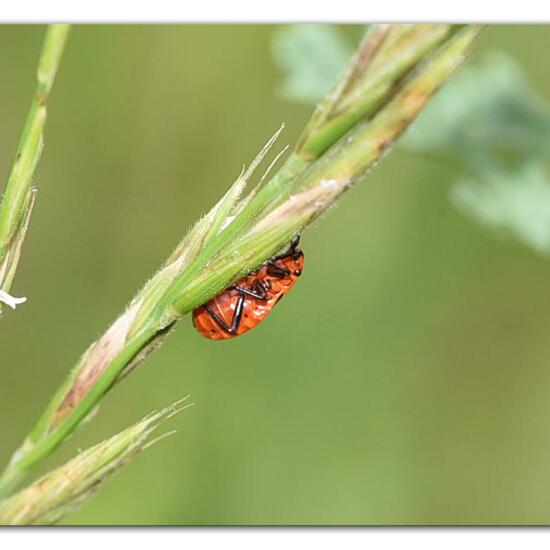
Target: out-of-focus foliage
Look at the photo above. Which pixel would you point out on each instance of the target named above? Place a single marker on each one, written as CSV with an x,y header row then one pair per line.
x,y
486,111
515,201
497,128
488,120
310,58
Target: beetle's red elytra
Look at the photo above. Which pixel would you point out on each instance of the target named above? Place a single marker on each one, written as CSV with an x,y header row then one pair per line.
x,y
247,303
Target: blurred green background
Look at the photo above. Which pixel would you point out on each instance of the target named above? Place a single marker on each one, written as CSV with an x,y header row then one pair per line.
x,y
406,379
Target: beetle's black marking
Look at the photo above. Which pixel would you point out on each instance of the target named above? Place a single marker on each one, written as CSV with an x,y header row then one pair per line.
x,y
276,270
237,314
259,289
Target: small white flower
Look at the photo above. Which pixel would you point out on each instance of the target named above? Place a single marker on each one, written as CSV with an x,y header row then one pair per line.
x,y
10,300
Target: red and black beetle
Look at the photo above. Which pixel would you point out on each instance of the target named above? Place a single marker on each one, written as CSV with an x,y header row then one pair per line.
x,y
247,303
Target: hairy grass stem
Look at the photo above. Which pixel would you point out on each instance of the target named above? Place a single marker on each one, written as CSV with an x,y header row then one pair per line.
x,y
62,490
19,195
394,73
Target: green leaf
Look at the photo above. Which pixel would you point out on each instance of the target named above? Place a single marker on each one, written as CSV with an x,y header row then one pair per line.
x,y
514,203
491,120
486,110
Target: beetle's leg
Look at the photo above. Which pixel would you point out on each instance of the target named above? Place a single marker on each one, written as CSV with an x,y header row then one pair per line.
x,y
276,270
295,242
292,250
237,314
258,290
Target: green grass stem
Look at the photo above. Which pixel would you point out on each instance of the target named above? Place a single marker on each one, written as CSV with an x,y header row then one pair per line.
x,y
18,199
242,231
